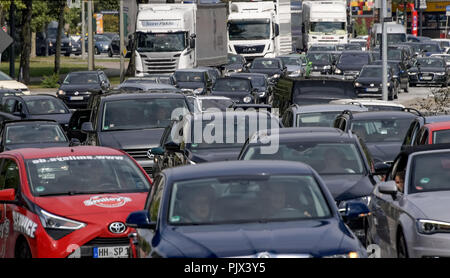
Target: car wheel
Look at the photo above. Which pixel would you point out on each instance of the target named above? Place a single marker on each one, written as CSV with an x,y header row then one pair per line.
x,y
402,251
110,54
391,95
97,52
23,250
406,90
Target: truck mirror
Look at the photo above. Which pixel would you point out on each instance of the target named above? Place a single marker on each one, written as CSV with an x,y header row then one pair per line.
x,y
277,29
192,42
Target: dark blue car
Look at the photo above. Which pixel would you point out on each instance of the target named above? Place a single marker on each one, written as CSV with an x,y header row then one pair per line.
x,y
243,209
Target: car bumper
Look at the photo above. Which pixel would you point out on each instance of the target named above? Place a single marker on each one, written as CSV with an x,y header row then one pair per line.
x,y
435,80
435,245
79,103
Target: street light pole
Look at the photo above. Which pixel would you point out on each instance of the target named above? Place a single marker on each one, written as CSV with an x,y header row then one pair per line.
x,y
12,31
90,38
83,28
384,49
122,43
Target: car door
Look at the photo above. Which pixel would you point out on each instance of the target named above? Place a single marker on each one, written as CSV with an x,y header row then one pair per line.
x,y
76,120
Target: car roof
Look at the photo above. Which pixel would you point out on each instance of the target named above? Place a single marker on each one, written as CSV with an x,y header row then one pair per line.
x,y
294,130
28,121
34,153
370,102
406,150
147,85
132,95
39,96
237,168
383,115
307,135
354,52
238,74
438,125
328,107
233,77
192,70
84,72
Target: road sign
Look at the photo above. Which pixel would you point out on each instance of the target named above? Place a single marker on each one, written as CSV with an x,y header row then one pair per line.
x,y
5,41
447,11
422,4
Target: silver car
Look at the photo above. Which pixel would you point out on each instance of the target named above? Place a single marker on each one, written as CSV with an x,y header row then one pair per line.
x,y
411,218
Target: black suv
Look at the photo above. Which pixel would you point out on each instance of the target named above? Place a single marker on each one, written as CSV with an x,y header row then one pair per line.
x,y
77,87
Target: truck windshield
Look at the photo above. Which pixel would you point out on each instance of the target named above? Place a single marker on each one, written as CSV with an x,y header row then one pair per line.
x,y
327,27
393,38
249,30
161,42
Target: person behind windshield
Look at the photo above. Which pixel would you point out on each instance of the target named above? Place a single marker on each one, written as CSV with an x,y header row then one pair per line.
x,y
333,161
275,197
198,202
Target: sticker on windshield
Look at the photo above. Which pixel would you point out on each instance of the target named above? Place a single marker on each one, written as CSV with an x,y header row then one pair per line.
x,y
425,180
110,201
40,189
175,219
81,157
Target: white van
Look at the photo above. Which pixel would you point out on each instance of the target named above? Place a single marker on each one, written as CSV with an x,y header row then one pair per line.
x,y
396,33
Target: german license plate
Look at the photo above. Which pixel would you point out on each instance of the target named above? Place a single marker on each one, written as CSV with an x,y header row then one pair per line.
x,y
427,78
372,90
76,98
111,252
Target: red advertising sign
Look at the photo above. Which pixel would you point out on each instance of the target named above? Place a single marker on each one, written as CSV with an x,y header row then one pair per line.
x,y
414,23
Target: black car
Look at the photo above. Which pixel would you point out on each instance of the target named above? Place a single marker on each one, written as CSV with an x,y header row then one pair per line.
x,y
78,87
236,63
429,70
322,48
409,51
132,122
192,148
76,47
339,158
114,48
400,72
382,131
102,44
46,41
239,89
32,134
322,62
46,107
369,82
349,46
350,63
197,81
411,137
273,67
260,82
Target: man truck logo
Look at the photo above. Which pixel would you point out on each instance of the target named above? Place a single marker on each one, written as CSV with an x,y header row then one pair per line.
x,y
249,49
117,227
107,201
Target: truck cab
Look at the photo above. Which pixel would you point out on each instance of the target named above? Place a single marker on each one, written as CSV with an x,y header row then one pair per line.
x,y
396,34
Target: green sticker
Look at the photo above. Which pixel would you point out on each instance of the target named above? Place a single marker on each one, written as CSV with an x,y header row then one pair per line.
x,y
175,219
40,188
106,128
425,180
194,145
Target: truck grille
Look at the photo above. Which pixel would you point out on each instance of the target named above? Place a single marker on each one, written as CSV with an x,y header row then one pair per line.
x,y
249,49
152,65
137,154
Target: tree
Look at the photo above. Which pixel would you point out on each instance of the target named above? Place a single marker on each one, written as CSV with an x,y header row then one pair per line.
x,y
24,68
61,4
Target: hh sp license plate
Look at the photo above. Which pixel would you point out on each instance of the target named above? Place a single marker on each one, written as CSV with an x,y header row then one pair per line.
x,y
111,252
427,77
76,98
372,90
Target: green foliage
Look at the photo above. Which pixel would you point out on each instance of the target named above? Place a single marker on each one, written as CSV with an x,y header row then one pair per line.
x,y
360,27
106,5
73,18
50,81
111,23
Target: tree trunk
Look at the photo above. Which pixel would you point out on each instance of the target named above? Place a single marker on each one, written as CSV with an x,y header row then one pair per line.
x,y
131,69
62,5
24,69
33,44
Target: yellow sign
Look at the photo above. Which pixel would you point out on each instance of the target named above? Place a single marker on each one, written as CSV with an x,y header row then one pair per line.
x,y
432,6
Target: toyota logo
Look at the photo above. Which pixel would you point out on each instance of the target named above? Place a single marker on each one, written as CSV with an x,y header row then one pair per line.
x,y
117,227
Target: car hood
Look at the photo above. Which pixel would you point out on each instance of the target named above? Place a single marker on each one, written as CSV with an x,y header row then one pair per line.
x,y
9,147
427,69
269,72
369,80
131,139
347,187
80,87
309,237
12,84
190,85
385,151
434,205
211,155
320,64
84,207
60,118
233,66
292,68
350,67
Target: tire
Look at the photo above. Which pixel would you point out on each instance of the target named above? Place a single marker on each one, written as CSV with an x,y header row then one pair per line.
x,y
110,53
23,251
402,250
96,51
391,95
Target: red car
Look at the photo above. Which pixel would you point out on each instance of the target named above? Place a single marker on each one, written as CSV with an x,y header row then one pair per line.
x,y
68,202
434,133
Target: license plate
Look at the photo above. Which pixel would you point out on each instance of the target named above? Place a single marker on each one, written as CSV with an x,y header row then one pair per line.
x,y
111,252
427,78
372,90
76,98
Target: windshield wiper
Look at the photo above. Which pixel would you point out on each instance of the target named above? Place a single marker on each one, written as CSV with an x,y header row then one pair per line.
x,y
71,193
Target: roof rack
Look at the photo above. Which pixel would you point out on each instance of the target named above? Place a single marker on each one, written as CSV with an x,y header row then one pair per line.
x,y
411,110
348,112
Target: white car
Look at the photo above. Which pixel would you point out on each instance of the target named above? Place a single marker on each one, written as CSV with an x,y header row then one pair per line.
x,y
202,103
444,43
6,82
445,56
372,104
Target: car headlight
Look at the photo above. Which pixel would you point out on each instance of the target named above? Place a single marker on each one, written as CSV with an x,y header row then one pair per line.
x,y
327,67
51,221
276,76
440,73
338,71
50,44
296,73
357,84
190,162
247,99
198,91
70,43
431,226
61,92
412,73
351,255
388,84
262,94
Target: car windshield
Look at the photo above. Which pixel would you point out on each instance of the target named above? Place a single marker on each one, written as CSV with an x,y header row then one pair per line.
x,y
381,130
235,59
322,48
232,85
441,136
161,42
445,57
34,133
370,72
392,38
81,78
431,47
85,174
325,158
325,119
352,46
328,27
430,172
52,32
102,39
265,64
45,106
354,58
136,114
318,57
4,76
222,104
184,76
394,54
258,81
291,61
430,63
249,30
247,199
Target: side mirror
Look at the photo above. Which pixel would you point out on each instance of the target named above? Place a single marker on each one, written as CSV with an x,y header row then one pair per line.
x,y
8,195
277,30
87,127
354,210
172,147
74,142
140,220
157,151
388,187
103,85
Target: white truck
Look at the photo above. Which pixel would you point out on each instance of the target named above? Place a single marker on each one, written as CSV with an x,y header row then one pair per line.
x,y
324,22
177,36
260,29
